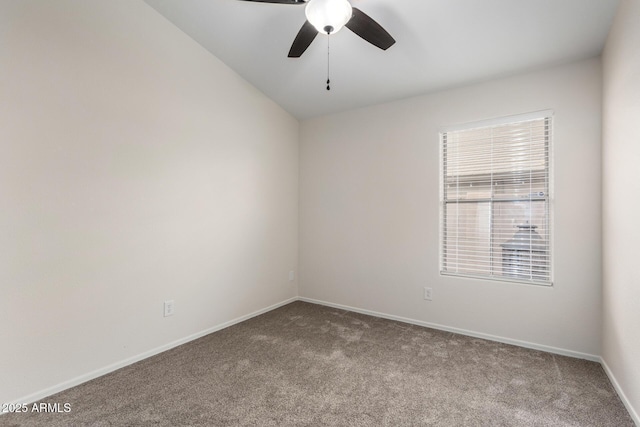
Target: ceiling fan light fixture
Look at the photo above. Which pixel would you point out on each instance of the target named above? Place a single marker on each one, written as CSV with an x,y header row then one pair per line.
x,y
328,16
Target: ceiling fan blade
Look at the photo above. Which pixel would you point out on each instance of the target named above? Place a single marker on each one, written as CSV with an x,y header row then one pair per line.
x,y
302,41
279,1
361,24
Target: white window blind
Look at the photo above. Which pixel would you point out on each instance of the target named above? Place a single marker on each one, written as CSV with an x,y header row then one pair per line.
x,y
495,204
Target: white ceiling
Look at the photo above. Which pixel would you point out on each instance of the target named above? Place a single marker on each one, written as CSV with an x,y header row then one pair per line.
x,y
439,44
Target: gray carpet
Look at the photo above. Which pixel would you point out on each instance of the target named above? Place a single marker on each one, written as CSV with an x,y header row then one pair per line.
x,y
305,364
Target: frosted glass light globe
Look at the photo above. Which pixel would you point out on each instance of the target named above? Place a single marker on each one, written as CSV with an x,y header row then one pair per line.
x,y
328,16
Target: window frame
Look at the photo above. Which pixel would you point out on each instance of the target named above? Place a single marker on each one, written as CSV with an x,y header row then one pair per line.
x,y
549,198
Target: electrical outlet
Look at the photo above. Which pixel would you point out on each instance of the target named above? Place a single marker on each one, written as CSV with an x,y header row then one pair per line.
x,y
168,308
292,275
428,294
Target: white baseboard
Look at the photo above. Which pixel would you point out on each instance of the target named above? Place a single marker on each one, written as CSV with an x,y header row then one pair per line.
x,y
627,404
526,344
39,395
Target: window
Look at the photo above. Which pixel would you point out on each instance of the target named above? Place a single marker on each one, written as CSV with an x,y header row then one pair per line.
x,y
495,201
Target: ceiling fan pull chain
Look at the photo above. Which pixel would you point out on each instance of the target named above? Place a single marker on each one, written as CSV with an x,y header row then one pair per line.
x,y
328,80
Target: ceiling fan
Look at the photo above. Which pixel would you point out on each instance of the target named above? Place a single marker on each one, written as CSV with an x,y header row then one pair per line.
x,y
328,17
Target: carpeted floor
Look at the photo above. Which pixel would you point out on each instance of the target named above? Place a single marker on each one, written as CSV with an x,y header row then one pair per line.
x,y
305,364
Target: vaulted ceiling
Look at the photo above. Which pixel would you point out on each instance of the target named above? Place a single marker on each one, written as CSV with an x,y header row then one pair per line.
x,y
439,44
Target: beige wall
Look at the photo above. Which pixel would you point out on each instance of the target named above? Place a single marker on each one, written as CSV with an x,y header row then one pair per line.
x,y
134,168
621,205
369,214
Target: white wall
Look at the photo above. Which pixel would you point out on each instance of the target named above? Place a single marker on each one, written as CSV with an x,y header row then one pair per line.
x,y
369,212
621,205
134,167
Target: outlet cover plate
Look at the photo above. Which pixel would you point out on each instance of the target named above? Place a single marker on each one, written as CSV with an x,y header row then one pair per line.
x,y
169,308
